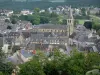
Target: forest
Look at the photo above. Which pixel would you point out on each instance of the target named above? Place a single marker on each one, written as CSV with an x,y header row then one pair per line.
x,y
9,4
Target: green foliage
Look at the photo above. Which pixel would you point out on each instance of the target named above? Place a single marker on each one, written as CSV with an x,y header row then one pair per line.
x,y
7,20
2,55
91,60
64,22
9,27
75,64
96,26
14,21
58,63
88,24
39,18
44,20
1,73
36,10
83,11
5,68
81,17
10,4
31,68
96,22
55,64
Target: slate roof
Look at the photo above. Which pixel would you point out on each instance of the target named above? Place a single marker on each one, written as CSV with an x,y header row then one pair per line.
x,y
1,41
88,48
73,35
9,40
82,38
30,46
15,59
26,54
51,26
45,46
48,34
92,39
97,42
26,34
14,34
1,35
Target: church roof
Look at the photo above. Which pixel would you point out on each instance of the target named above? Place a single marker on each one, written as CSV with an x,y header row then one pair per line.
x,y
50,26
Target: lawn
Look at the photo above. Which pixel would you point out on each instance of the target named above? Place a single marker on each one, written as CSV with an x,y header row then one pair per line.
x,y
95,18
81,22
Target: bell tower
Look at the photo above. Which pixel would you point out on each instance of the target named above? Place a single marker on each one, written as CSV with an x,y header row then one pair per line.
x,y
70,22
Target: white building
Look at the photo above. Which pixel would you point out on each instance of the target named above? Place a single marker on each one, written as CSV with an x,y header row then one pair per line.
x,y
26,12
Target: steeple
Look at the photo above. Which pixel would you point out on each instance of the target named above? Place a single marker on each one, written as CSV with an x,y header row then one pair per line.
x,y
70,13
70,22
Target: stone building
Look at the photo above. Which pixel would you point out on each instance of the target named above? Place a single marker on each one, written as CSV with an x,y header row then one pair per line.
x,y
43,34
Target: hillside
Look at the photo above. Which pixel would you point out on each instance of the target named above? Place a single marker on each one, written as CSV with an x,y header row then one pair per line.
x,y
9,4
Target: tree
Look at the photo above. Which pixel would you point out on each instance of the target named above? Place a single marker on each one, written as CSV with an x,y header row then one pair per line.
x,y
90,61
23,17
36,10
5,67
7,20
9,27
83,10
44,17
44,20
75,63
88,25
96,26
14,17
1,73
55,64
36,19
64,22
36,22
79,63
14,21
31,68
53,15
2,55
58,63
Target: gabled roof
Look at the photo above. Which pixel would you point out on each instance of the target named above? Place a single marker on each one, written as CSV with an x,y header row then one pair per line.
x,y
26,34
50,26
26,54
13,34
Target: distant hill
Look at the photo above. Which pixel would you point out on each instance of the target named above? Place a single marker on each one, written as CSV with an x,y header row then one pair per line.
x,y
31,4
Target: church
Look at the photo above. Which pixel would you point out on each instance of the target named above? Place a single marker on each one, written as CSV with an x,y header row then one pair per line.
x,y
49,34
43,34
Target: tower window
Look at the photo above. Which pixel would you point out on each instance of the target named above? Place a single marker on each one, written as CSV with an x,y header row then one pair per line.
x,y
70,21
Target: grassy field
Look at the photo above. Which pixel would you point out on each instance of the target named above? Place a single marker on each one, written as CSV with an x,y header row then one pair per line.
x,y
81,22
95,18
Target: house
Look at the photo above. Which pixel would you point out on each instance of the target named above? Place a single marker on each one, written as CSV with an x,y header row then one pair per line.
x,y
26,12
7,12
94,10
20,57
84,39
